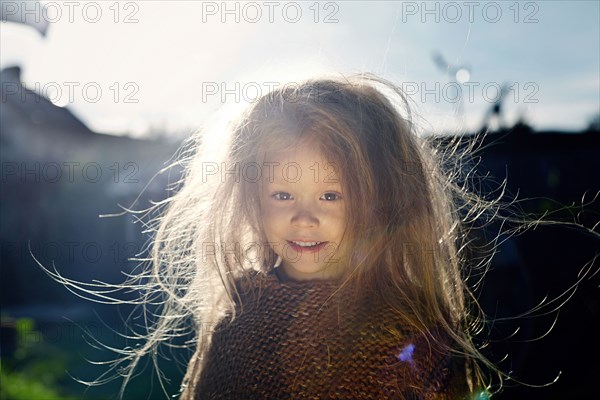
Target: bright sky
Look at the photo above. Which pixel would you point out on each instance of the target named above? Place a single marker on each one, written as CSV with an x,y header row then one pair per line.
x,y
137,66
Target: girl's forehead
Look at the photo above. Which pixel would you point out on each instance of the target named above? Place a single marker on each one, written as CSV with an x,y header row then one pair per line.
x,y
300,161
299,153
306,152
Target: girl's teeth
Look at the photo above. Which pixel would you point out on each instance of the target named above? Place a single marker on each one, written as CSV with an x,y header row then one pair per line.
x,y
306,244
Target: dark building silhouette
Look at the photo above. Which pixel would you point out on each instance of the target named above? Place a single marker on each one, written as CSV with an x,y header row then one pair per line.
x,y
57,177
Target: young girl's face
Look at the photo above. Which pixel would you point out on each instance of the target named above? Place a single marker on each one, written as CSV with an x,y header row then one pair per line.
x,y
303,211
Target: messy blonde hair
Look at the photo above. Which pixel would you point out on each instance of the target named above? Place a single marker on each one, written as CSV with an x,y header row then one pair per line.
x,y
409,208
404,232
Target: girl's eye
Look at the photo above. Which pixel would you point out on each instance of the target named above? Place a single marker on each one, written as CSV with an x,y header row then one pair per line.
x,y
282,196
330,196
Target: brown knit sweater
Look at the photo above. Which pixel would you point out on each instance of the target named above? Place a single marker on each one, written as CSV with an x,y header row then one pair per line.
x,y
292,340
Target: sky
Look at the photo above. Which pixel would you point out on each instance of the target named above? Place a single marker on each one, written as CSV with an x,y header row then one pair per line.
x,y
142,67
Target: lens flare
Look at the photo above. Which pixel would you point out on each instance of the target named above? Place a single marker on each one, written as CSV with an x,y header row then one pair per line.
x,y
406,354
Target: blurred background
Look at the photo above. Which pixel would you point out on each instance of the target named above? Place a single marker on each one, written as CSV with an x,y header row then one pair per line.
x,y
96,98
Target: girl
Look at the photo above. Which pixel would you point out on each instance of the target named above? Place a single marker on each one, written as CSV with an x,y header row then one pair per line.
x,y
315,247
318,246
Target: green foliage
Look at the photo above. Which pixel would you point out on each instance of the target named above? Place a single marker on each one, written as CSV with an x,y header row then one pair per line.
x,y
48,360
22,386
35,368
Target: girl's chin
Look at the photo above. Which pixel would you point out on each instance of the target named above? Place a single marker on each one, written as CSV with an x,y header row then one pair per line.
x,y
300,271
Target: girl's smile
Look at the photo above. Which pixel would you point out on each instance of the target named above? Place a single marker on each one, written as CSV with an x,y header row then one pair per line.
x,y
309,247
303,211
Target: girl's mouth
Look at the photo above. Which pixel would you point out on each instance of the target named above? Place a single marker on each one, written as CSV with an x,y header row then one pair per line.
x,y
306,247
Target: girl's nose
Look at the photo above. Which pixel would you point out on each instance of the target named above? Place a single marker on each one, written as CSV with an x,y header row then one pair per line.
x,y
304,218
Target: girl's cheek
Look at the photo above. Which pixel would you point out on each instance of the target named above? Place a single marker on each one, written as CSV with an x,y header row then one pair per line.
x,y
334,211
274,214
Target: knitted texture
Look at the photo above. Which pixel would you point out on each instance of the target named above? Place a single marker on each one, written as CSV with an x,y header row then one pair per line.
x,y
294,340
